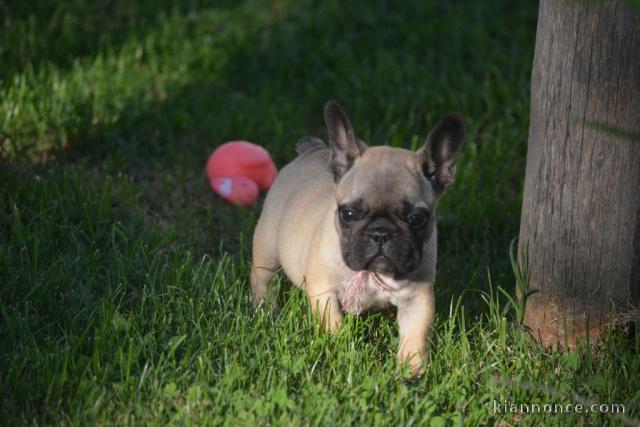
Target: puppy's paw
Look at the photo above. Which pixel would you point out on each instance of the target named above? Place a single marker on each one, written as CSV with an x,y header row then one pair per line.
x,y
414,363
269,303
331,326
325,309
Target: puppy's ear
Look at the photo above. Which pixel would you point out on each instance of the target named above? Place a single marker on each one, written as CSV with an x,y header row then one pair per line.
x,y
345,147
439,153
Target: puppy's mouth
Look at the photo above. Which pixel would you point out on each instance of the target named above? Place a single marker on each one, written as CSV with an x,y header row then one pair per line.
x,y
383,264
380,264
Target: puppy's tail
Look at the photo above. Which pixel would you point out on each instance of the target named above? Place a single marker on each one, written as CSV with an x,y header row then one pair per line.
x,y
309,144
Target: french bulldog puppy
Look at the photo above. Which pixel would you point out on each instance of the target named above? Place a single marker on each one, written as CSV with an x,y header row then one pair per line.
x,y
355,227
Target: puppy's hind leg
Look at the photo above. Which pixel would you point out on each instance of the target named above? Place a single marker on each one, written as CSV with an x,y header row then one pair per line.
x,y
260,276
264,265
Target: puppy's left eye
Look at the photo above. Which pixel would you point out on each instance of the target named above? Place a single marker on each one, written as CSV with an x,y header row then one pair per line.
x,y
417,220
347,215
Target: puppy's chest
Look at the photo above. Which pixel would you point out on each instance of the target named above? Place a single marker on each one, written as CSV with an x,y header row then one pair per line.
x,y
366,291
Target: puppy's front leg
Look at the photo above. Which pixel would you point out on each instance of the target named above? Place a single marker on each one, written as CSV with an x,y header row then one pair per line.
x,y
415,321
324,305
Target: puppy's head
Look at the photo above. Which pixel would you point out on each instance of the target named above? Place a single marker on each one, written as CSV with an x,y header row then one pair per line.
x,y
387,197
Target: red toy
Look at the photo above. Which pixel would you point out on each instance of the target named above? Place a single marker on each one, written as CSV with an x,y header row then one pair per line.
x,y
238,170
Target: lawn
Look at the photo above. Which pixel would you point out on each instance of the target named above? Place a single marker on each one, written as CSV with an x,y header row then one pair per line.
x,y
124,295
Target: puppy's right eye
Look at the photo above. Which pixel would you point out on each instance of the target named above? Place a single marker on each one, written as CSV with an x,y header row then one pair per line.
x,y
347,215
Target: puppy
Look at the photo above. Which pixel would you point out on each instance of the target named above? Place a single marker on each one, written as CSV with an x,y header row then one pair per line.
x,y
355,227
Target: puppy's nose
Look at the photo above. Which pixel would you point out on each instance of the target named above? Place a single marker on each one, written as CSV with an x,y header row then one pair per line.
x,y
379,236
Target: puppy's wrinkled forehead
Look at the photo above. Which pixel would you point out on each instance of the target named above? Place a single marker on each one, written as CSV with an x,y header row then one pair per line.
x,y
384,176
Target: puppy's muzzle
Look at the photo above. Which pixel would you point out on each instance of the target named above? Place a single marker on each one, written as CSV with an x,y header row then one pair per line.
x,y
386,255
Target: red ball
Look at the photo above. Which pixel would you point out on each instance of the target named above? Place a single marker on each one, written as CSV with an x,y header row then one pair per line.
x,y
240,159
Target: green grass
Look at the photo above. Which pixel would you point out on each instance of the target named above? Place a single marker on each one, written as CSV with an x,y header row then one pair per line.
x,y
124,294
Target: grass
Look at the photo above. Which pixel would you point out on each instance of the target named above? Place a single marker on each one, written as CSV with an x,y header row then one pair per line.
x,y
124,293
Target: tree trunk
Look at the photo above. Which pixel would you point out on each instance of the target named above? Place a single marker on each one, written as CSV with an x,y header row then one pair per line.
x,y
579,244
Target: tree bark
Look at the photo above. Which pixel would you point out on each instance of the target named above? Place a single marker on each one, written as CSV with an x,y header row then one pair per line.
x,y
579,245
